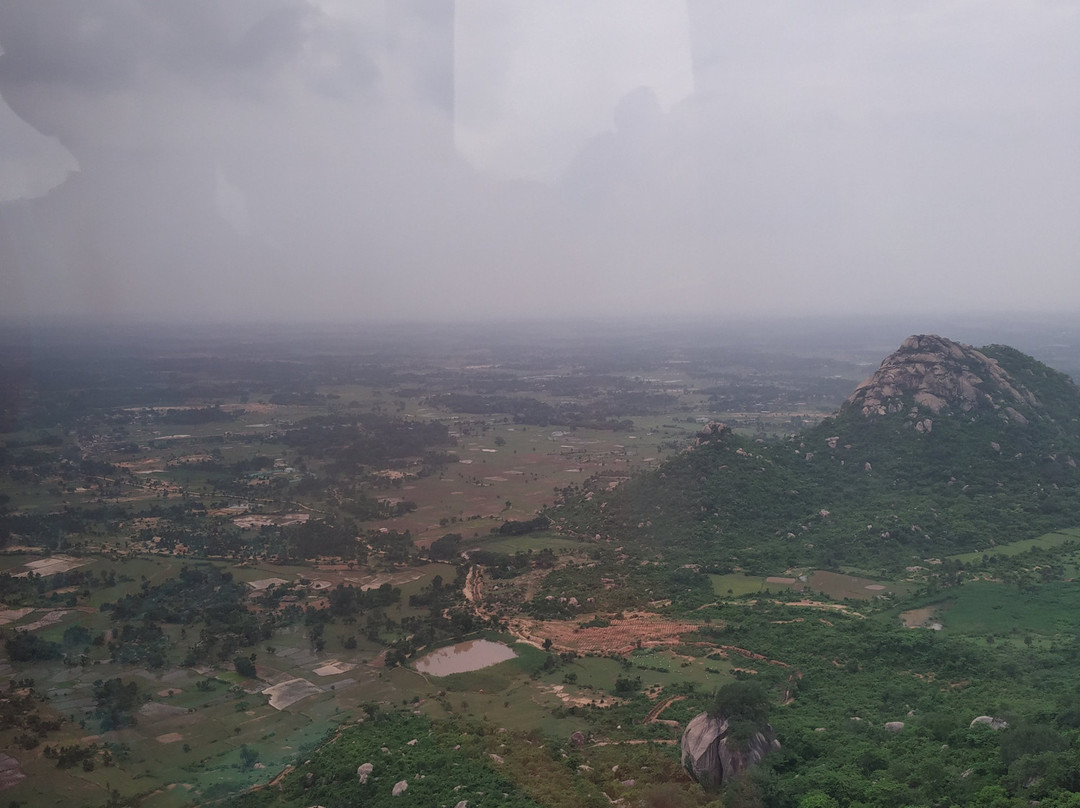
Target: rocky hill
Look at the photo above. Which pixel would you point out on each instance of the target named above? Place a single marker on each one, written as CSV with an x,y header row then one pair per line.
x,y
930,373
994,393
944,448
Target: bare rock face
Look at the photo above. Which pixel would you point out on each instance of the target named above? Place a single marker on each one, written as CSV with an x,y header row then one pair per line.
x,y
931,373
711,758
990,721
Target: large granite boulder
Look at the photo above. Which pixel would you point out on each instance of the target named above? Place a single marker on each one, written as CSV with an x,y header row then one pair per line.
x,y
711,757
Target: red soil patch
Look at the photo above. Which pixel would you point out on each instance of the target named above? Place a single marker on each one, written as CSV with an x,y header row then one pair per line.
x,y
636,630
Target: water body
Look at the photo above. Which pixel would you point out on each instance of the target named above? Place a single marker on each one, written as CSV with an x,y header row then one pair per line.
x,y
465,656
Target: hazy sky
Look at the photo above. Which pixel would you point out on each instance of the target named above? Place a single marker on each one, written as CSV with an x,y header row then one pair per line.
x,y
397,159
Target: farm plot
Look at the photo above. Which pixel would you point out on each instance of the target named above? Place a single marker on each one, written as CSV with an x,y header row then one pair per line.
x,y
510,472
985,608
839,586
635,630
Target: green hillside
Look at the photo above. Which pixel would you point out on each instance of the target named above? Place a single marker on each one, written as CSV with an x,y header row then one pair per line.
x,y
907,481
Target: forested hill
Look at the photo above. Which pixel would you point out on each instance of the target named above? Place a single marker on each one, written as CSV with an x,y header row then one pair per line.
x,y
944,449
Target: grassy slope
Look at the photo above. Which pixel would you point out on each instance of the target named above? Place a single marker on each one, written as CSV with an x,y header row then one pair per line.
x,y
892,495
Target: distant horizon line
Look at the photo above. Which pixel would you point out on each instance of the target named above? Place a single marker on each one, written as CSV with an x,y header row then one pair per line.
x,y
56,322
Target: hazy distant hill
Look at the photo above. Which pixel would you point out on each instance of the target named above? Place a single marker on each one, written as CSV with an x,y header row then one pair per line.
x,y
945,448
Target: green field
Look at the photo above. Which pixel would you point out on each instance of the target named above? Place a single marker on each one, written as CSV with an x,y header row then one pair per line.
x,y
831,584
736,584
984,608
1047,541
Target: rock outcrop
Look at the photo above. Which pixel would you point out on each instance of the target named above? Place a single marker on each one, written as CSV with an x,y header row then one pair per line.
x,y
713,432
711,757
935,375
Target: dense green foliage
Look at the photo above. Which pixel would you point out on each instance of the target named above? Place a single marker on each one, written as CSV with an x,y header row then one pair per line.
x,y
116,702
199,595
26,647
742,701
857,675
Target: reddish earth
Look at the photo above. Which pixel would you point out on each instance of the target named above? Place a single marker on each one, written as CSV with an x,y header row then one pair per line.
x,y
654,713
636,630
751,655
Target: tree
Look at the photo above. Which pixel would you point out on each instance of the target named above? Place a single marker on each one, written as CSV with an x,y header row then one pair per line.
x,y
245,667
27,647
745,705
449,546
818,799
248,757
116,703
741,701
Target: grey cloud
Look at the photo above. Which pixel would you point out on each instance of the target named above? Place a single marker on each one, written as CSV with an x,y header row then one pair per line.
x,y
423,35
261,159
107,45
81,44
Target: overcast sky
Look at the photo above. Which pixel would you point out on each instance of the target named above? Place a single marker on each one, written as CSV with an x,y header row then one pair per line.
x,y
401,159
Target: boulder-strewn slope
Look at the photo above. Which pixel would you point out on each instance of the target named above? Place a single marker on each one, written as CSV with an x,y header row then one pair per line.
x,y
945,448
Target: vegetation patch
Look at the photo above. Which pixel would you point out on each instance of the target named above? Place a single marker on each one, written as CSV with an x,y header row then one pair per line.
x,y
991,609
1047,541
421,761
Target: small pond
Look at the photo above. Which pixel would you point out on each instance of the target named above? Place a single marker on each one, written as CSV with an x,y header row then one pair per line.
x,y
465,656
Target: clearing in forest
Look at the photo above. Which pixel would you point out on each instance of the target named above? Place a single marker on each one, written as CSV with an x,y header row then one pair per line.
x,y
635,630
